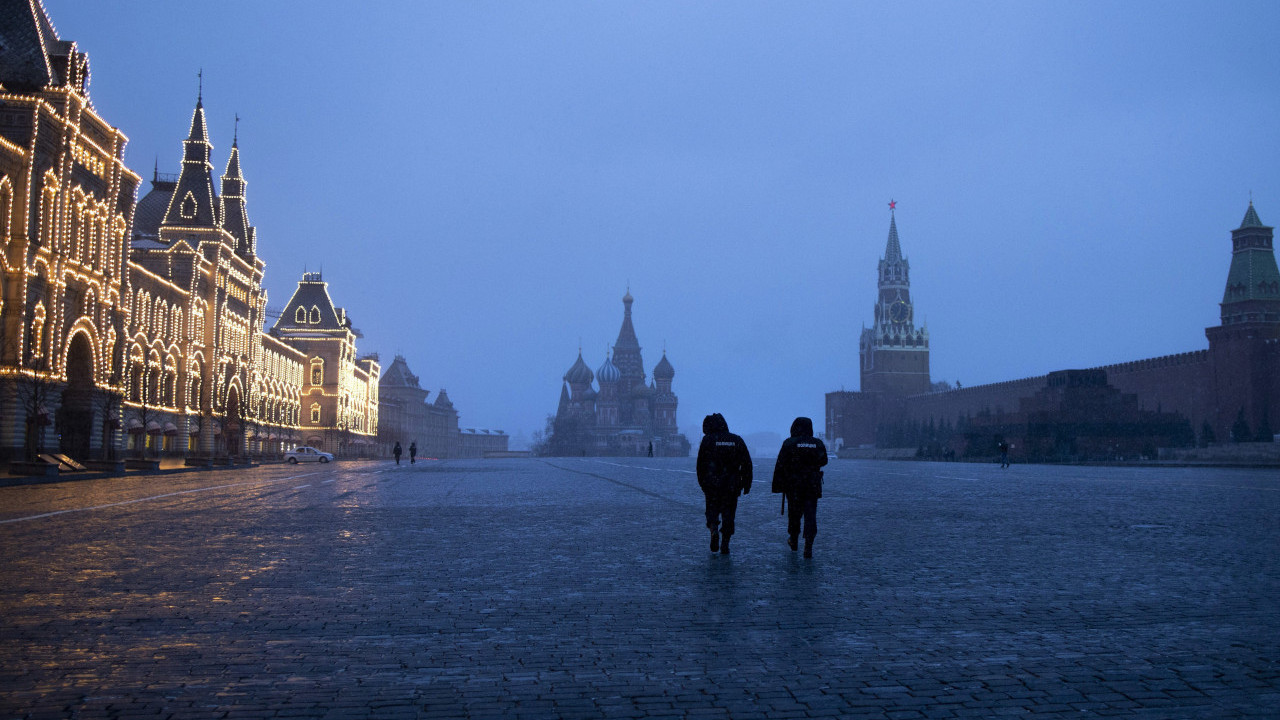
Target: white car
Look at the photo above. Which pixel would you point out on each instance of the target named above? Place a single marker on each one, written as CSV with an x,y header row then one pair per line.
x,y
307,454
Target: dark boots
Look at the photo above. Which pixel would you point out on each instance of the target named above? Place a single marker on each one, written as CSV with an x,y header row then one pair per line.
x,y
808,547
793,542
715,540
724,545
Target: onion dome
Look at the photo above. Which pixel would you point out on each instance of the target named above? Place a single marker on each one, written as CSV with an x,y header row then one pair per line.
x,y
579,374
663,370
608,372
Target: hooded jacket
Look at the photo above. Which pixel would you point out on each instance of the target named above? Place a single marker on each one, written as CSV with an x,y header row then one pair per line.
x,y
724,464
798,470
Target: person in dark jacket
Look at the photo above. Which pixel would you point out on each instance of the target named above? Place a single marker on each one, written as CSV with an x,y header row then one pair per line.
x,y
798,475
396,451
413,452
724,471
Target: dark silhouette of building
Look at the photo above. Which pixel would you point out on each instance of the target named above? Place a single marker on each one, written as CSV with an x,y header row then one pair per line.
x,y
625,416
1229,391
406,415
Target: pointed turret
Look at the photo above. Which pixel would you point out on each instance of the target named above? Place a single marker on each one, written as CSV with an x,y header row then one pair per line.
x,y
194,203
892,250
626,351
1253,281
894,353
235,218
1250,218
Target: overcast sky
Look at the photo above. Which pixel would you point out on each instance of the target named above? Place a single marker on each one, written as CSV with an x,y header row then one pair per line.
x,y
480,181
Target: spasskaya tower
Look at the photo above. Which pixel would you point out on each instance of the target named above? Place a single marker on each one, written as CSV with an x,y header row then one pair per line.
x,y
894,353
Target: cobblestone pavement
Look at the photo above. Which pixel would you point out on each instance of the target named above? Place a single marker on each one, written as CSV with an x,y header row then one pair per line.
x,y
583,588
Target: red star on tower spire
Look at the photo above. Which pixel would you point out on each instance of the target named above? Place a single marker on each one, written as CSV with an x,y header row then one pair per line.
x,y
892,204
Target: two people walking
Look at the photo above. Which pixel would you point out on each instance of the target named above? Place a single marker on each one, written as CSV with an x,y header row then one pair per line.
x,y
725,473
413,452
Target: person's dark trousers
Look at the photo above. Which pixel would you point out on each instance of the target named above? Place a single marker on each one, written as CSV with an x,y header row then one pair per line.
x,y
721,508
807,508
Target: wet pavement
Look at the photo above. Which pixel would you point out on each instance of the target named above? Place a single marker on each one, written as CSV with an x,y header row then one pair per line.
x,y
583,588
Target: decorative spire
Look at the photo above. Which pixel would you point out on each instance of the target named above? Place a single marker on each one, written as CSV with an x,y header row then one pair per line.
x,y
1251,217
198,131
892,250
235,217
194,202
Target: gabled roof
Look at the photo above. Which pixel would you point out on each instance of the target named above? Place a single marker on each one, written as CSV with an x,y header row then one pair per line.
x,y
398,375
312,297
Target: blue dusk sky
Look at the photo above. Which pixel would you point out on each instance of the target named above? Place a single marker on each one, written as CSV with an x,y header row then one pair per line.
x,y
480,181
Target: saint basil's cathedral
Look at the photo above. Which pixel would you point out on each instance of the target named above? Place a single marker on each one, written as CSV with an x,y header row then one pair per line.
x,y
621,415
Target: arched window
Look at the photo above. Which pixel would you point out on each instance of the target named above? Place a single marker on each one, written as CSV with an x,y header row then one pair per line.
x,y
300,317
188,208
317,371
315,413
37,331
159,319
315,315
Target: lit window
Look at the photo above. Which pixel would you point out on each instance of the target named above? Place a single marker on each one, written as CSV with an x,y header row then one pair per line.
x,y
315,413
315,315
300,317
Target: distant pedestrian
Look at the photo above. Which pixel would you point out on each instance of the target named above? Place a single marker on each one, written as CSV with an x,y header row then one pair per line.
x,y
396,451
724,471
1004,454
413,452
798,476
650,449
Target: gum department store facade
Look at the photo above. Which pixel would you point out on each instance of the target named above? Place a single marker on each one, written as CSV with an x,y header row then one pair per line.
x,y
143,329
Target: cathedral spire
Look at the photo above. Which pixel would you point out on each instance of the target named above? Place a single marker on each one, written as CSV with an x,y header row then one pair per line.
x,y
627,334
626,350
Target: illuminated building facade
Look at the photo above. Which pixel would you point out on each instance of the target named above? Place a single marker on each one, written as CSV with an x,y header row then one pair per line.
x,y
66,202
150,339
339,397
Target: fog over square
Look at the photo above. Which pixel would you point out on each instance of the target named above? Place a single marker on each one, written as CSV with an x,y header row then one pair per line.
x,y
480,183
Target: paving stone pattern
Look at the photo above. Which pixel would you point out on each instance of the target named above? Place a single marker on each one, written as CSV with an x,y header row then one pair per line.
x,y
583,588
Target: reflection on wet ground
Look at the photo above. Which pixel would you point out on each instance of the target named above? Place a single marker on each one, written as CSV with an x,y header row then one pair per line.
x,y
583,587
